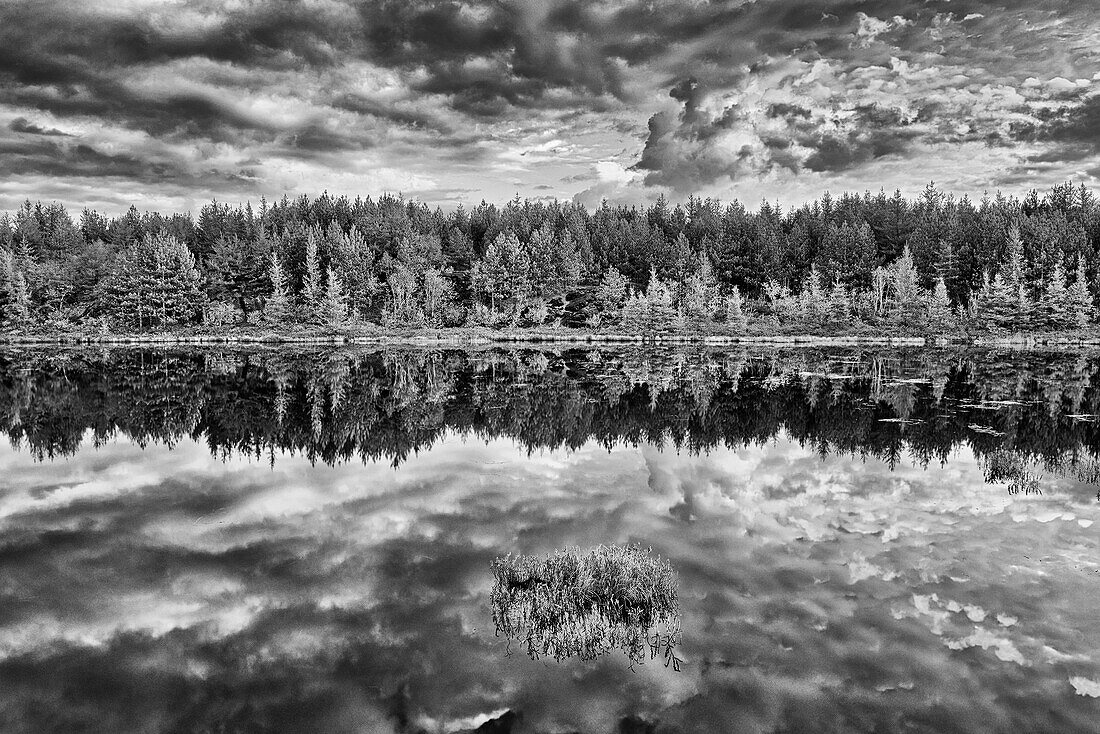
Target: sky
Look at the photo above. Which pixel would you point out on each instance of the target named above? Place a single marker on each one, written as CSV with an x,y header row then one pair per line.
x,y
170,103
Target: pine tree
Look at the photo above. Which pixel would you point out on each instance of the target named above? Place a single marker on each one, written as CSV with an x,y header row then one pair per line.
x,y
334,302
277,309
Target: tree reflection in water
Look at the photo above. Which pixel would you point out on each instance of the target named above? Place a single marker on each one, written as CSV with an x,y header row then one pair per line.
x,y
1018,412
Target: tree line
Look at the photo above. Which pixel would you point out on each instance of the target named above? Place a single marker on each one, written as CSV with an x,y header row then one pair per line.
x,y
934,262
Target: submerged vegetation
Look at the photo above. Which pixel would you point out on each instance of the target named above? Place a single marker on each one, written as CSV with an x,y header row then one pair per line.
x,y
849,264
577,604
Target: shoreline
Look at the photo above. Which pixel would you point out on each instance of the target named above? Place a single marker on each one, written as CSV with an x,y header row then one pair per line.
x,y
479,337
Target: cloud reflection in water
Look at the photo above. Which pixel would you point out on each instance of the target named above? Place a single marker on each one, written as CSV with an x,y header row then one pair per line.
x,y
163,590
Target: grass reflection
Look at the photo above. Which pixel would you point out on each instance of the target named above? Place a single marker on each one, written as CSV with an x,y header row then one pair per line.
x,y
577,604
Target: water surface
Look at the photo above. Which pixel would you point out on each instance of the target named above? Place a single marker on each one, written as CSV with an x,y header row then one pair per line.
x,y
275,541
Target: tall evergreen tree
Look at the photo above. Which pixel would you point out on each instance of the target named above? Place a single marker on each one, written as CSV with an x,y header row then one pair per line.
x,y
334,302
1080,302
278,308
312,294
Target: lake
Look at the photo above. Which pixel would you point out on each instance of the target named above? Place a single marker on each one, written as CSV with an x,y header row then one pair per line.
x,y
277,540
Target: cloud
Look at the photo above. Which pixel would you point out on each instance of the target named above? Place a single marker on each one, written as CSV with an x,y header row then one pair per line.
x,y
720,93
23,125
1069,133
797,100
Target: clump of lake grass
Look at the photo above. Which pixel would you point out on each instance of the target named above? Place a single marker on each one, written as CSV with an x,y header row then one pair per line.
x,y
586,604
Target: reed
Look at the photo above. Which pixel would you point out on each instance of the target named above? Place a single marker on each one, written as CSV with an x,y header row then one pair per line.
x,y
578,604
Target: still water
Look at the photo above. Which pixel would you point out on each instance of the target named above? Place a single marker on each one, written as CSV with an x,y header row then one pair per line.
x,y
273,541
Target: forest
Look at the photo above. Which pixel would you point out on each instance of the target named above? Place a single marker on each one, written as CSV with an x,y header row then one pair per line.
x,y
934,264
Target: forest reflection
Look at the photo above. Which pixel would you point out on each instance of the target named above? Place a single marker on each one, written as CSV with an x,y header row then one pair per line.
x,y
1026,416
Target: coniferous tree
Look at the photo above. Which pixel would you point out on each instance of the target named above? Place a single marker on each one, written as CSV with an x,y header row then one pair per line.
x,y
15,304
520,260
278,308
334,302
905,290
1080,302
236,272
699,294
735,314
635,316
1053,309
940,316
156,284
838,304
438,298
352,258
1006,303
812,301
612,293
311,281
7,278
660,300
